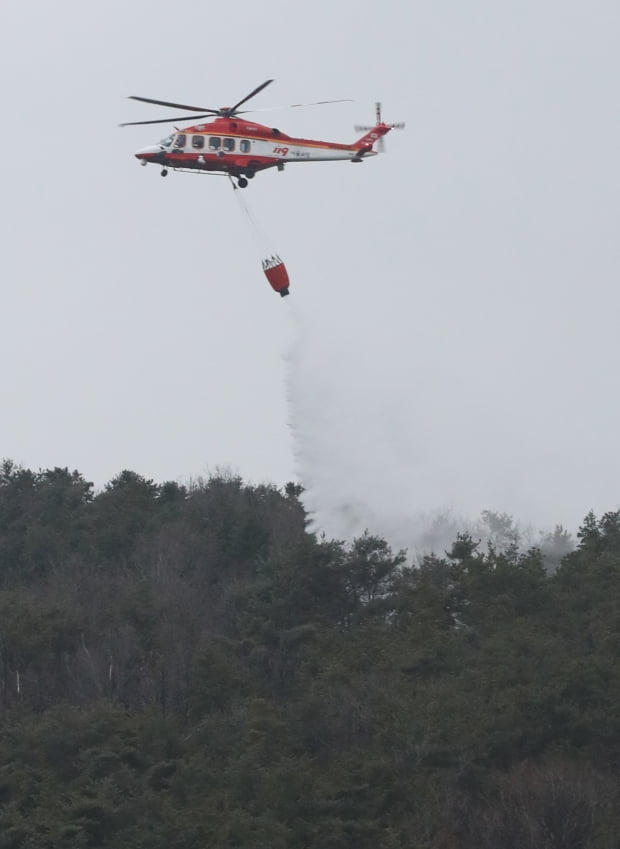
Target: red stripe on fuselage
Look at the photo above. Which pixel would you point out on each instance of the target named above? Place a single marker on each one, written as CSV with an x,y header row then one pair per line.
x,y
258,132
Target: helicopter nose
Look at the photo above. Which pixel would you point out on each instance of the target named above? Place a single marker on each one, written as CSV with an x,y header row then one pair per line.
x,y
146,153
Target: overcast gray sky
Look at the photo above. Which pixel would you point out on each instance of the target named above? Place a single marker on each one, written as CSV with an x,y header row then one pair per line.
x,y
451,339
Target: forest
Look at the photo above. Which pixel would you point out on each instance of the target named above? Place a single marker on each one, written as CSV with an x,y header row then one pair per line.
x,y
189,667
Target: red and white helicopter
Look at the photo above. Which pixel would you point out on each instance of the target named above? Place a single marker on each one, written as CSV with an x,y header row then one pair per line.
x,y
231,145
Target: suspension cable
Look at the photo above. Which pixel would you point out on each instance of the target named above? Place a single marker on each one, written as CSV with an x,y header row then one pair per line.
x,y
260,235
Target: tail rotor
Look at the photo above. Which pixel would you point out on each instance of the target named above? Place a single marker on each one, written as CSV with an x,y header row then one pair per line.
x,y
379,123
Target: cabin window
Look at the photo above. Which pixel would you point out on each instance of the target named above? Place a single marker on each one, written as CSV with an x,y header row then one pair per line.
x,y
198,142
214,143
245,146
229,144
180,140
166,142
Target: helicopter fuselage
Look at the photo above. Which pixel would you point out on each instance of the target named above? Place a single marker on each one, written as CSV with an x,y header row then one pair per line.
x,y
240,148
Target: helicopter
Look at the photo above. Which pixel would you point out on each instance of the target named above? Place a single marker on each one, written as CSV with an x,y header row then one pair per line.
x,y
232,146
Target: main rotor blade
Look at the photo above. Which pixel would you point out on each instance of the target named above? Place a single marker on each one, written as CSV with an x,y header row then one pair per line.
x,y
175,105
234,108
323,102
165,120
294,105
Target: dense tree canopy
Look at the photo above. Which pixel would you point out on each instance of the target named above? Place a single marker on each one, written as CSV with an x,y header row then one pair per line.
x,y
188,666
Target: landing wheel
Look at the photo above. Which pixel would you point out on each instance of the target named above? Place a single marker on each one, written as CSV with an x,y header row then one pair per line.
x,y
242,182
164,172
250,174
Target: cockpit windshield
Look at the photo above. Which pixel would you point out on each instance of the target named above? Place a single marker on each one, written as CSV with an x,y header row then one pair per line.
x,y
166,142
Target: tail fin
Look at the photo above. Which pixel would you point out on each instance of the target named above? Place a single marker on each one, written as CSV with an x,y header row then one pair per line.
x,y
374,133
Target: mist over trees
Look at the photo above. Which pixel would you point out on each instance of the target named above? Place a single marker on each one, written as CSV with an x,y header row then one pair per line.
x,y
187,666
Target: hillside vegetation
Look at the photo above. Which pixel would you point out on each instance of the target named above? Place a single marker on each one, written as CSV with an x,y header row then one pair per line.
x,y
186,667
